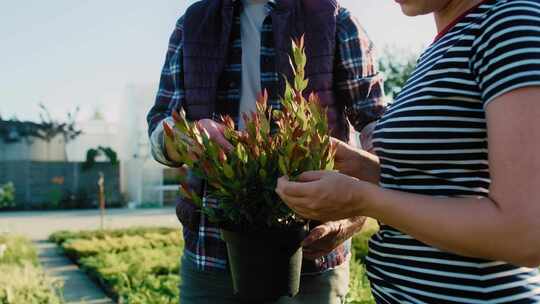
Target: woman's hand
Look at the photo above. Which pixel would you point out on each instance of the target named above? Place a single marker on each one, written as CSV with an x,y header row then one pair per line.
x,y
356,163
322,195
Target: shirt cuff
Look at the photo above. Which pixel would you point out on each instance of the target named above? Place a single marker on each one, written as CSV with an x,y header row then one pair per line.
x,y
157,144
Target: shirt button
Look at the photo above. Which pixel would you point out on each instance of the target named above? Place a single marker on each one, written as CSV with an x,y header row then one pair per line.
x,y
232,84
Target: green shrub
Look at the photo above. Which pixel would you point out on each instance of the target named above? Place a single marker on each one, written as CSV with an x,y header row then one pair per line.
x,y
18,251
396,66
61,236
141,265
134,265
27,284
138,275
55,196
155,290
360,241
7,195
360,292
21,278
76,248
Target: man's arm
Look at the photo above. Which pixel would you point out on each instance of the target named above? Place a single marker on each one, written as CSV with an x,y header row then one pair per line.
x,y
359,86
169,97
328,236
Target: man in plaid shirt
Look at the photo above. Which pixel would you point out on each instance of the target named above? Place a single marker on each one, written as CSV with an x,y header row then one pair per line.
x,y
250,68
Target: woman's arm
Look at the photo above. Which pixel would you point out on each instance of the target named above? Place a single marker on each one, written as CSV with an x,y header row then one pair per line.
x,y
504,226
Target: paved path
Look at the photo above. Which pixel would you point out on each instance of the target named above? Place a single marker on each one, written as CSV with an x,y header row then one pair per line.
x,y
78,288
38,225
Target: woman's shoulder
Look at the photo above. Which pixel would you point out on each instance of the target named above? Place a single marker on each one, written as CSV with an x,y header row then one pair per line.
x,y
506,49
501,4
497,18
497,9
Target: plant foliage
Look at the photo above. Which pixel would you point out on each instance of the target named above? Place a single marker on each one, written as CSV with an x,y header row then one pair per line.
x,y
92,154
7,195
88,247
62,236
51,127
48,128
27,284
396,70
275,142
21,278
134,265
148,274
18,251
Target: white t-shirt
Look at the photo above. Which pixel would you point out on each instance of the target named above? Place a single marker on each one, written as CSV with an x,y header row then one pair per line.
x,y
251,21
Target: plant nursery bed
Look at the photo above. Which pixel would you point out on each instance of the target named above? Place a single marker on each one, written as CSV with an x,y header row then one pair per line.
x,y
141,265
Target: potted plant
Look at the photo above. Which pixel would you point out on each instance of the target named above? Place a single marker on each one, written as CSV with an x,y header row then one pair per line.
x,y
263,235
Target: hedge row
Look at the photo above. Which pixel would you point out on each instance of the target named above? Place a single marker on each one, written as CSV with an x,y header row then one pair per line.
x,y
61,236
134,265
141,265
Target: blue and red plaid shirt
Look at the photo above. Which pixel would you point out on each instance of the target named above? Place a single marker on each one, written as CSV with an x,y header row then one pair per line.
x,y
355,76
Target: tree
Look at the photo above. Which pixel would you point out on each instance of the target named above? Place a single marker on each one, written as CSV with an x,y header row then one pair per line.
x,y
50,127
396,67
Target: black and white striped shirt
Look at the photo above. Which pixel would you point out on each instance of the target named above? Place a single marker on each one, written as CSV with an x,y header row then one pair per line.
x,y
433,141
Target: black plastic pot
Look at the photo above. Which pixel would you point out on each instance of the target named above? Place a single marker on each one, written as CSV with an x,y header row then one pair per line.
x,y
265,266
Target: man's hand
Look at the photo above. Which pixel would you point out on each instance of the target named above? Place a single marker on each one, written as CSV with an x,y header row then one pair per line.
x,y
171,153
325,238
215,132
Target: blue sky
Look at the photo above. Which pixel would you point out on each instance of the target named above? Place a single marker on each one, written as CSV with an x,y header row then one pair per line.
x,y
68,53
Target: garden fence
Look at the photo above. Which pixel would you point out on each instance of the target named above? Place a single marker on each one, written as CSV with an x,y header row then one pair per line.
x,y
60,184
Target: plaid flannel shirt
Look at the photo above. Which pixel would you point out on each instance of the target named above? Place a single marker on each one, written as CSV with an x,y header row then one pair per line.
x,y
356,77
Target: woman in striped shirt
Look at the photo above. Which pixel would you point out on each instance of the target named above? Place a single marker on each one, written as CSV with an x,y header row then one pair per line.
x,y
455,179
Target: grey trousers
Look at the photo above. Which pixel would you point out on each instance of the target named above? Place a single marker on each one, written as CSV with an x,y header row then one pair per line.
x,y
215,287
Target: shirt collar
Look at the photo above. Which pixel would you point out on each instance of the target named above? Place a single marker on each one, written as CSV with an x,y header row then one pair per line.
x,y
270,5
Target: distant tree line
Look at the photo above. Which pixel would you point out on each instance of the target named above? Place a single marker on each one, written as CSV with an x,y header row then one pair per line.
x,y
396,67
14,130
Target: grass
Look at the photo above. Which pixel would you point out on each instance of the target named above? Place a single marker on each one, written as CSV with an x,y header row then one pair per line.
x,y
141,265
21,278
360,292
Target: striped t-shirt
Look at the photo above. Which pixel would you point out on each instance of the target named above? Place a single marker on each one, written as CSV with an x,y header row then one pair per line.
x,y
433,141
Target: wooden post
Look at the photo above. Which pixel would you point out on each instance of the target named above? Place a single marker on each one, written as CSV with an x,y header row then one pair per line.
x,y
101,185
